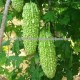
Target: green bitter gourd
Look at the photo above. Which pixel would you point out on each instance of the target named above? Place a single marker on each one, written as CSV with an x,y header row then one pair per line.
x,y
47,53
18,5
30,27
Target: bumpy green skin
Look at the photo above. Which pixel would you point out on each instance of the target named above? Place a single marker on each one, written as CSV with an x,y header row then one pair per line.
x,y
30,27
47,54
18,5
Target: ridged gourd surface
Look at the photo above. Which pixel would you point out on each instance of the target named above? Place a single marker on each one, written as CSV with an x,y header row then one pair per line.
x,y
18,5
30,27
47,53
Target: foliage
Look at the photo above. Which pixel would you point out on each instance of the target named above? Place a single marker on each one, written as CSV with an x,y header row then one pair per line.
x,y
64,19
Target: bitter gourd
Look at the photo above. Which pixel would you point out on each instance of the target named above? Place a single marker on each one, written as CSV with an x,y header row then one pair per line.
x,y
18,5
30,27
47,53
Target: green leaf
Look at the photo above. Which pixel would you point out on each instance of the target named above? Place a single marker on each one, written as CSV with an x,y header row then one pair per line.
x,y
49,16
15,47
1,70
3,58
1,3
0,19
10,16
77,47
65,20
69,75
4,43
35,71
16,60
21,78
